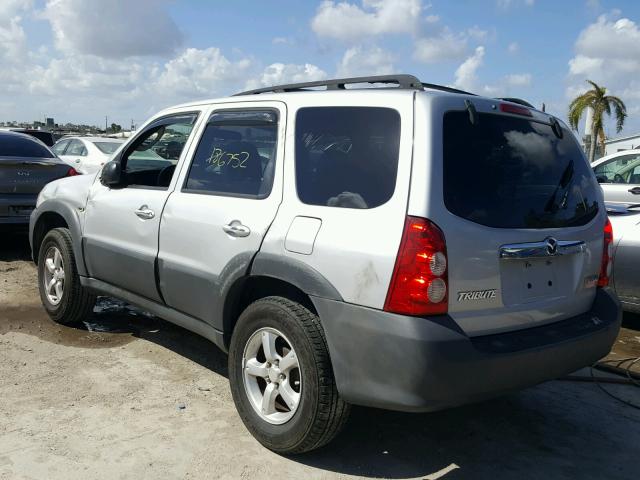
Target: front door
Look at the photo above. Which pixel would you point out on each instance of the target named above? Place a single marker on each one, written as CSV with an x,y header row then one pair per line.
x,y
225,201
620,178
121,224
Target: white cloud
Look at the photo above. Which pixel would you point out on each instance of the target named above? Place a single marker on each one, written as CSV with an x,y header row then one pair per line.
x,y
518,80
513,48
349,22
11,8
281,41
478,34
280,73
610,39
607,52
114,28
445,46
197,73
505,4
465,75
13,41
359,61
82,75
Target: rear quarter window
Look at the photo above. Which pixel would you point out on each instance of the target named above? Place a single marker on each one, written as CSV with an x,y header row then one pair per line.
x,y
347,157
508,172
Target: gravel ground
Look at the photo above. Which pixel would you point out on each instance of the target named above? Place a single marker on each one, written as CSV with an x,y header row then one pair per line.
x,y
130,396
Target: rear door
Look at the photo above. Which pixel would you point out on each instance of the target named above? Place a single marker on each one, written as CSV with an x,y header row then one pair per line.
x,y
521,212
226,199
620,178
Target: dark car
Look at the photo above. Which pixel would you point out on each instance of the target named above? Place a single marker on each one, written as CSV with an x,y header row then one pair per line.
x,y
26,165
44,136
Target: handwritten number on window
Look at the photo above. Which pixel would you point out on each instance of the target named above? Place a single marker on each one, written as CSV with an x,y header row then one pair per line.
x,y
220,158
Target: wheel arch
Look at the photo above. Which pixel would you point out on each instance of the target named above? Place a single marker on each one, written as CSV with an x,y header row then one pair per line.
x,y
274,275
54,214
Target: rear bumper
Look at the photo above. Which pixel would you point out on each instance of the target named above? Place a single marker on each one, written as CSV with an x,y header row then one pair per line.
x,y
423,364
15,209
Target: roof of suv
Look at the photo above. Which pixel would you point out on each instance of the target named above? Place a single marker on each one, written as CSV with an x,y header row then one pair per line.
x,y
379,85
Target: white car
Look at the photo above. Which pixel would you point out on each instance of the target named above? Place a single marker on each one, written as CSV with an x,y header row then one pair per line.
x,y
625,220
619,176
86,154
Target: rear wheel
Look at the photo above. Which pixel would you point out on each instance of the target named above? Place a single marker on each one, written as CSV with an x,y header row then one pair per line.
x,y
63,297
281,377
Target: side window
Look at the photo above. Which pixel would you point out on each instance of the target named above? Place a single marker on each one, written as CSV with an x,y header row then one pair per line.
x,y
347,156
76,148
152,158
634,178
59,147
619,170
236,154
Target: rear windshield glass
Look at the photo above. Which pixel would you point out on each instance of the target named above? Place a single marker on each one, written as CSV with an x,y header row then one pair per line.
x,y
107,147
19,146
508,172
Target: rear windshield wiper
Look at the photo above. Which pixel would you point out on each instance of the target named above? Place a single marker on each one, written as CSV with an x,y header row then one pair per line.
x,y
563,183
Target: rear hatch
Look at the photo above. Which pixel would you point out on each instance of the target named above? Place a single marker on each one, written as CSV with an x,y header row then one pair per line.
x,y
521,212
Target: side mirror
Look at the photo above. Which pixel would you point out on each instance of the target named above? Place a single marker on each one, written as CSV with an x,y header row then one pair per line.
x,y
111,175
601,179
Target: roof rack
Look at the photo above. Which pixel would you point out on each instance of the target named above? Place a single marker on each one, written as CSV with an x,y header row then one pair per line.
x,y
405,82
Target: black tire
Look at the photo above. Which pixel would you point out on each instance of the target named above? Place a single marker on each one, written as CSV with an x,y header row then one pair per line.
x,y
321,413
76,302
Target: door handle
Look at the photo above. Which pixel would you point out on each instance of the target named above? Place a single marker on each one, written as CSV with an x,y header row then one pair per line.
x,y
635,190
77,160
145,213
236,229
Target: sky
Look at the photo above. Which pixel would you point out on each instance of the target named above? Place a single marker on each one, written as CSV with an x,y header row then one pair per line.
x,y
81,60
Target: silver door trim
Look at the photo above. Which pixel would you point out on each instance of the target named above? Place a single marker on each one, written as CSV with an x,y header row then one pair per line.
x,y
549,247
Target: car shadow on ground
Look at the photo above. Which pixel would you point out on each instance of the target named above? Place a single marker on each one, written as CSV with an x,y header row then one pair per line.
x,y
14,245
557,430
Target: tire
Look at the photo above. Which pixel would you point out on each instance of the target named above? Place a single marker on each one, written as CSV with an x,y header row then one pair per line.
x,y
320,413
75,302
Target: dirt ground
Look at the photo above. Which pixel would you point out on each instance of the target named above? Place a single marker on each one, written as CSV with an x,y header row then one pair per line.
x,y
130,396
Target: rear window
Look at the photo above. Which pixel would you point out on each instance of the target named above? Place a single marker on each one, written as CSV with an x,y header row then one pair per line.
x,y
20,146
347,156
107,147
509,172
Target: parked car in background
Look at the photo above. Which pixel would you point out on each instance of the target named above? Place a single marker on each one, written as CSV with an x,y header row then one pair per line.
x,y
625,220
86,154
410,248
44,136
619,176
26,165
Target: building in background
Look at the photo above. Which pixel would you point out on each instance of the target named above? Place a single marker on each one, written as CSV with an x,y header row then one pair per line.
x,y
50,123
620,144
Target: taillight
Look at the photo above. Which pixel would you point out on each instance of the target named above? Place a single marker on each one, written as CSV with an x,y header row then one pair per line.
x,y
72,172
515,109
607,256
419,285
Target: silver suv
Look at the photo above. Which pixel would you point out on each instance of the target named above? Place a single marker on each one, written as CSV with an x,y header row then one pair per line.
x,y
411,248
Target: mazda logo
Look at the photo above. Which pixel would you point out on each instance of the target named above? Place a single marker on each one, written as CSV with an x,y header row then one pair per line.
x,y
552,245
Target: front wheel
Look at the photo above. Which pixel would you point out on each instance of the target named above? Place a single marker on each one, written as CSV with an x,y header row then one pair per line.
x,y
63,297
281,377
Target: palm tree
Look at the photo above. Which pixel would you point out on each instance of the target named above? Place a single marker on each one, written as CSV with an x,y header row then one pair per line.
x,y
600,103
